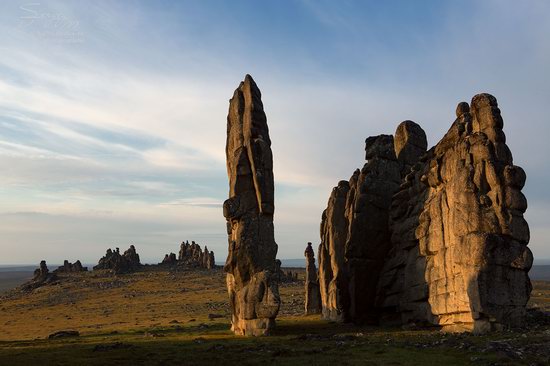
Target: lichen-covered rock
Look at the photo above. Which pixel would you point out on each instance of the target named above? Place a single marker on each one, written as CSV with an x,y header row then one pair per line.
x,y
459,257
313,296
120,263
250,266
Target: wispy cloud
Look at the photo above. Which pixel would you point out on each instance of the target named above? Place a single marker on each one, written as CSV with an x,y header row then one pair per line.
x,y
120,136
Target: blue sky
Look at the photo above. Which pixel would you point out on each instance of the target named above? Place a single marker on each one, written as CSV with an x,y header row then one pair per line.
x,y
112,114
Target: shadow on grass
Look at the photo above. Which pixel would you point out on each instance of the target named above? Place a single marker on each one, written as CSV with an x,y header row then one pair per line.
x,y
295,341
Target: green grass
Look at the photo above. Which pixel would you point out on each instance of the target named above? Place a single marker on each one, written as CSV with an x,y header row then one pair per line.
x,y
161,318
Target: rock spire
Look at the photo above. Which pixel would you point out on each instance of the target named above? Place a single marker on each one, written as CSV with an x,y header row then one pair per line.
x,y
250,266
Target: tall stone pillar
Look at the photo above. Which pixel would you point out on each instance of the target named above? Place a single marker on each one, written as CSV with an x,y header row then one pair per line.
x,y
251,269
313,296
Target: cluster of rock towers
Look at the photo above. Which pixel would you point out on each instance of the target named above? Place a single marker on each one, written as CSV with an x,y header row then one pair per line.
x,y
191,255
429,237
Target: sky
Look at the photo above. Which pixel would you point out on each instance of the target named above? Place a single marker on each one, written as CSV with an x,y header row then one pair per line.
x,y
113,114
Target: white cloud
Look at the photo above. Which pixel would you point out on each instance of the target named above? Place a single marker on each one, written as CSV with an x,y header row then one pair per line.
x,y
130,124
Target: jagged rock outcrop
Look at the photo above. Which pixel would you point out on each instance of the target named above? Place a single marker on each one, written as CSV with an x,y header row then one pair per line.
x,y
170,259
42,276
459,240
125,263
69,267
209,260
193,256
250,266
313,296
435,238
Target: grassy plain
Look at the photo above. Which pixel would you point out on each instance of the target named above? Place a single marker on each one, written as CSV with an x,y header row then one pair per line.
x,y
163,317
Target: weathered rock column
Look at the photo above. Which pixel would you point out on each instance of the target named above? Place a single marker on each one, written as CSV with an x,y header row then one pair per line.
x,y
313,296
251,269
333,281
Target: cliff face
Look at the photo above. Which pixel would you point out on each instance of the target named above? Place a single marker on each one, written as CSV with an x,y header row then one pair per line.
x,y
250,266
444,242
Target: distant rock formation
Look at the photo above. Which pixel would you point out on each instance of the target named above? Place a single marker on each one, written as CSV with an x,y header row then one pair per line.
x,y
170,259
42,276
69,267
251,269
193,256
435,238
313,296
125,263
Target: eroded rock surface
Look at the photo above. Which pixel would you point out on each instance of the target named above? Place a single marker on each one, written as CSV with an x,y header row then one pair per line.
x,y
459,240
250,266
435,238
313,295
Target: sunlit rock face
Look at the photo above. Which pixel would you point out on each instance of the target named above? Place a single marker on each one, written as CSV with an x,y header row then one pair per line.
x,y
459,240
434,238
251,269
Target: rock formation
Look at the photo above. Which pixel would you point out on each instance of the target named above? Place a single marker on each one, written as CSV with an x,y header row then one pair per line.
x,y
193,256
125,263
355,232
42,276
459,240
69,267
435,238
250,266
313,296
333,281
169,259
